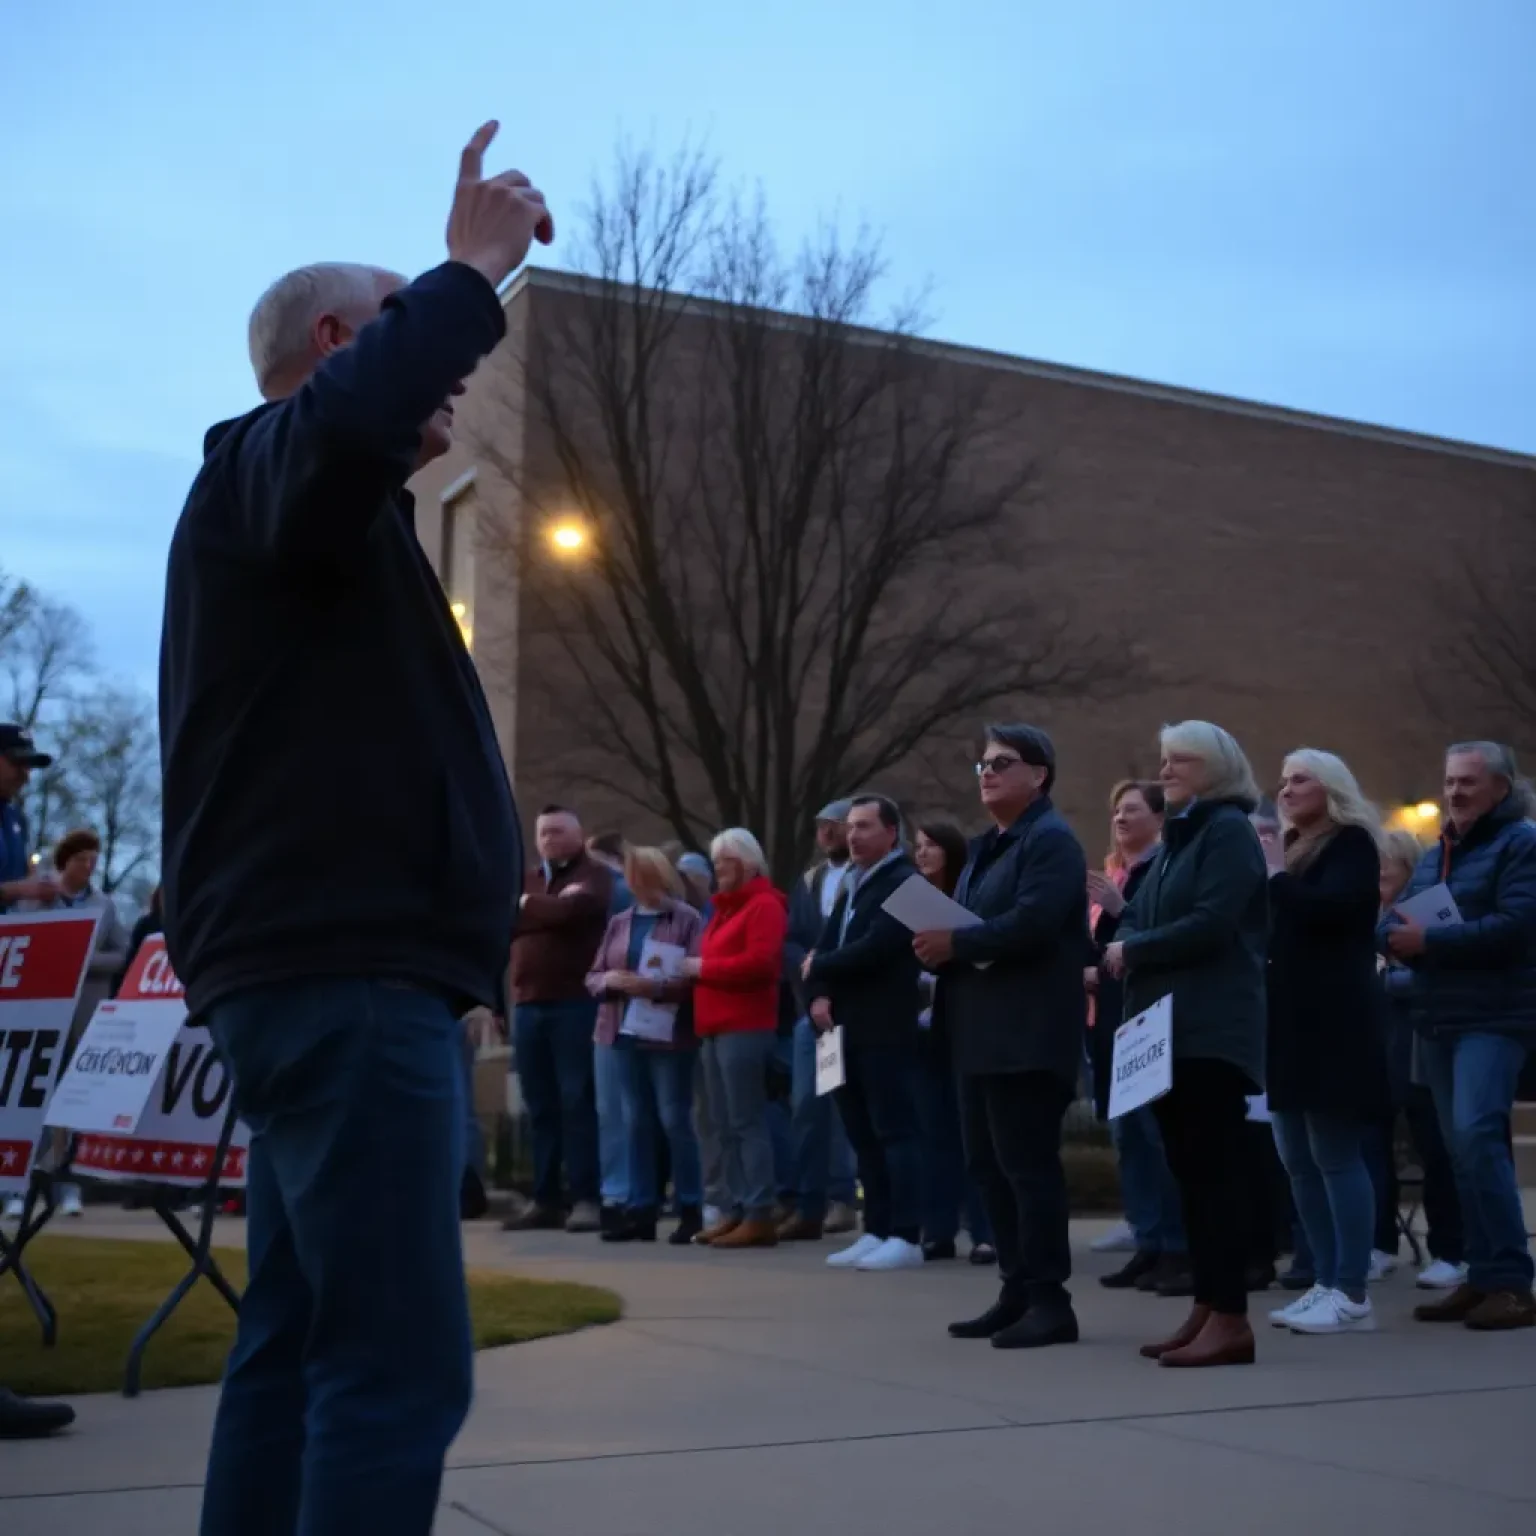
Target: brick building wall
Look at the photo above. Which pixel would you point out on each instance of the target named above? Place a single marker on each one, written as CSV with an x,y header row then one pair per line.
x,y
1277,573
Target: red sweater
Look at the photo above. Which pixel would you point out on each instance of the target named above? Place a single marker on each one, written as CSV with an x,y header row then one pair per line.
x,y
741,955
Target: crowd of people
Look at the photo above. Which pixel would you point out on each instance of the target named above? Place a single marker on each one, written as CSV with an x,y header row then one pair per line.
x,y
1312,1017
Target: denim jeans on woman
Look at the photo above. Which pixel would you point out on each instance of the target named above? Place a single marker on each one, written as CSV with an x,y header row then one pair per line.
x,y
351,1370
735,1068
609,1071
1148,1189
657,1090
1324,1156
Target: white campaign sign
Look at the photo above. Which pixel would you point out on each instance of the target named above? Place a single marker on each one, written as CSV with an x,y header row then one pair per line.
x,y
178,1132
1434,908
830,1072
644,1018
1143,1059
43,960
114,1067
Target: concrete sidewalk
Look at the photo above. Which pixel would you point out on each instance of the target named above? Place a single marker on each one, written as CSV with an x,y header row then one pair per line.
x,y
752,1394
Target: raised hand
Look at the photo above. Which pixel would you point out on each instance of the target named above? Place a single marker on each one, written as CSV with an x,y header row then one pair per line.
x,y
493,222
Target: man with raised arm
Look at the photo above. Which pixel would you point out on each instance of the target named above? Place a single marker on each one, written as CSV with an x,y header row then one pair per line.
x,y
342,867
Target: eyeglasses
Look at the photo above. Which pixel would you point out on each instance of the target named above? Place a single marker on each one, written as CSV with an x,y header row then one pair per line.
x,y
1001,763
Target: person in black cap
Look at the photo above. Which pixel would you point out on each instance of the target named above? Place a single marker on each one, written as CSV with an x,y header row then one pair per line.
x,y
18,757
1010,995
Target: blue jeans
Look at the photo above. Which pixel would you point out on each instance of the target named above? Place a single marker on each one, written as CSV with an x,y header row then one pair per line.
x,y
613,1131
823,1158
947,1187
1147,1187
736,1082
657,1087
351,1370
1324,1155
1473,1080
555,1069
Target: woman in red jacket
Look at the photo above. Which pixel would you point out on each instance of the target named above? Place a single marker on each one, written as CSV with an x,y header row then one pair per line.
x,y
735,1014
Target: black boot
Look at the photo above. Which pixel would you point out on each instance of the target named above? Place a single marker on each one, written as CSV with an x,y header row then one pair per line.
x,y
1173,1277
1003,1313
936,1251
1049,1323
690,1223
1140,1264
637,1226
1260,1276
22,1419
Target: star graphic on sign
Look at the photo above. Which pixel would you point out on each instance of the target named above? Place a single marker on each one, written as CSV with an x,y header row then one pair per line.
x,y
10,1158
200,1160
159,1156
178,1159
120,1154
138,1156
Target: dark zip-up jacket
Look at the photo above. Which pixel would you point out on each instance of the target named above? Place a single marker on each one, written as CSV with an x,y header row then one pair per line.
x,y
335,800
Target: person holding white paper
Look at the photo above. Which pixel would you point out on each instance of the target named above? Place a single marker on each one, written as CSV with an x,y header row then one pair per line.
x,y
863,979
638,967
1010,997
1472,996
1197,932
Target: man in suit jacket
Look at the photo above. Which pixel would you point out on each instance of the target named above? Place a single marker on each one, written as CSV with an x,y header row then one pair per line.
x,y
863,977
1010,995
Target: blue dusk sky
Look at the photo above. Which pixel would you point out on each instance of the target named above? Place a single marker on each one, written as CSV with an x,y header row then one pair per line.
x,y
1326,204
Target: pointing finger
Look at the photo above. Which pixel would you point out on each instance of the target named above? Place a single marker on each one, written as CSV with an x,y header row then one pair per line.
x,y
473,158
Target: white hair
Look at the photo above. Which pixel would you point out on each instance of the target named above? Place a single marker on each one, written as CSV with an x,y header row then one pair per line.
x,y
1347,805
738,843
1228,775
278,334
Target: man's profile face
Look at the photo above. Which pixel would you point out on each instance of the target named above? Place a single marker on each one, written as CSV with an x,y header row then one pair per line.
x,y
558,835
869,839
1472,789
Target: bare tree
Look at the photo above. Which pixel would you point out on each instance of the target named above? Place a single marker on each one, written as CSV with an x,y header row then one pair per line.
x,y
789,513
1479,675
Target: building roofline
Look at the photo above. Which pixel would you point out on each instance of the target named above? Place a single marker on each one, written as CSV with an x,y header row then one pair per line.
x,y
1087,378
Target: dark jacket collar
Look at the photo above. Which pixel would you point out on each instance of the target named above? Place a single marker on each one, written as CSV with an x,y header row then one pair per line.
x,y
999,837
1180,830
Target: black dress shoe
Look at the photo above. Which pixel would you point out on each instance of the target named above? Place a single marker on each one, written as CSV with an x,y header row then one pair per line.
x,y
634,1227
1039,1327
537,1218
1000,1315
22,1419
1260,1277
690,1222
982,1254
1173,1277
933,1252
1139,1266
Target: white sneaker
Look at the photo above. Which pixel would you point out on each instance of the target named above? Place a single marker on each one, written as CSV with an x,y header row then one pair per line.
x,y
1441,1275
1336,1313
1118,1239
14,1207
1282,1317
893,1253
69,1201
1382,1264
860,1248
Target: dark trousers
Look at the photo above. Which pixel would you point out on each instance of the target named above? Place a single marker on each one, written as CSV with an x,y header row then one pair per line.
x,y
351,1369
1442,1209
554,1067
1012,1125
1203,1120
948,1190
879,1114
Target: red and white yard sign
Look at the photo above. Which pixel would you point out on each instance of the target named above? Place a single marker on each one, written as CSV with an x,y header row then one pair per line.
x,y
178,1133
43,960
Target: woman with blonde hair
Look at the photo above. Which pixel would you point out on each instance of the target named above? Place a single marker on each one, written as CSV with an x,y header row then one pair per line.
x,y
656,1064
1327,1062
1195,932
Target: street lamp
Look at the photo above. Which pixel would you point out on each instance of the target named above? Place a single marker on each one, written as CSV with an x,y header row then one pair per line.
x,y
569,538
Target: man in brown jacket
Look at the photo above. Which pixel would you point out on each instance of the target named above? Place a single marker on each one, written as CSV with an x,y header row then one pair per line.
x,y
561,919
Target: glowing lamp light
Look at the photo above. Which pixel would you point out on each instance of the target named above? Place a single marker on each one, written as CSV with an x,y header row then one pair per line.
x,y
1427,810
568,538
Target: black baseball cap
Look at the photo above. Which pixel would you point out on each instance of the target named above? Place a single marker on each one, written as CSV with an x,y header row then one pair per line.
x,y
17,744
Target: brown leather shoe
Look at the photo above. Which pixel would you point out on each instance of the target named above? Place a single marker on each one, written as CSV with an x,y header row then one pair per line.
x,y
799,1230
1226,1339
1499,1310
1189,1331
1455,1308
712,1235
756,1232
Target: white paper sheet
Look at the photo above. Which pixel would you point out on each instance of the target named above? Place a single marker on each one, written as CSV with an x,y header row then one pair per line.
x,y
917,903
830,1073
1143,1059
1434,908
644,1018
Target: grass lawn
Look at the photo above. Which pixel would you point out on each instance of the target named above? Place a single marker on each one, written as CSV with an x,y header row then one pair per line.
x,y
105,1290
